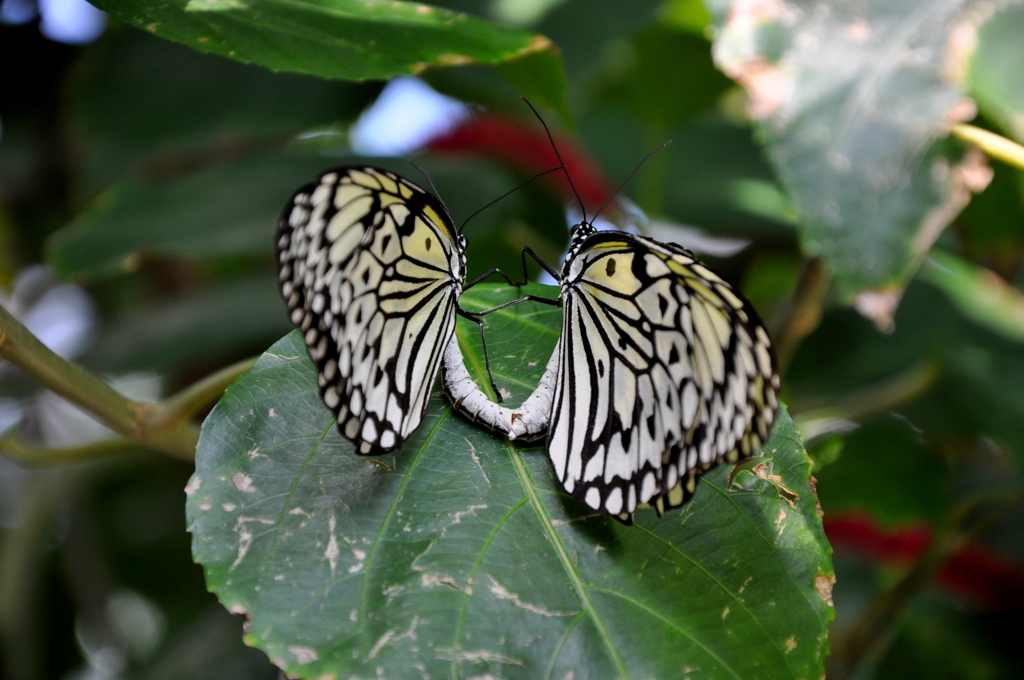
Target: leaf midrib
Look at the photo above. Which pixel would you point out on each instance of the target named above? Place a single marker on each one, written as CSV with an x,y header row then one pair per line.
x,y
563,556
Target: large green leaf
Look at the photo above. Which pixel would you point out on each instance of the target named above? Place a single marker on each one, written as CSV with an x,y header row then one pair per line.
x,y
348,39
229,210
851,98
997,68
141,103
457,556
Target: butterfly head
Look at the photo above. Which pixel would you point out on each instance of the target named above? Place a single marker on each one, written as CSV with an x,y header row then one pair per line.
x,y
578,235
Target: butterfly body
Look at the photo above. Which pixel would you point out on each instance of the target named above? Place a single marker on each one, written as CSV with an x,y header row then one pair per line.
x,y
371,268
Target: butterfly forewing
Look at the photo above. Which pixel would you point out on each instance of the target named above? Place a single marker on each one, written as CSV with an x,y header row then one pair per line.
x,y
665,371
371,268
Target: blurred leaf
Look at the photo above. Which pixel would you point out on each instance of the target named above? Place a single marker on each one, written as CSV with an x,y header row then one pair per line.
x,y
458,556
887,471
540,77
347,39
979,294
688,15
664,76
851,99
230,210
583,29
990,226
978,395
224,320
997,69
205,109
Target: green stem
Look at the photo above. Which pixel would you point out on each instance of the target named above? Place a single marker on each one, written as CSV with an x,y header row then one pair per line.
x,y
996,146
181,407
42,455
804,313
128,418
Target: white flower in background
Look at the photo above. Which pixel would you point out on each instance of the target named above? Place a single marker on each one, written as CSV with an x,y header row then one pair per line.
x,y
408,113
75,22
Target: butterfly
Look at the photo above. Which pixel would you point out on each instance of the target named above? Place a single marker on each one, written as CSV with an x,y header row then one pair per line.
x,y
371,267
662,371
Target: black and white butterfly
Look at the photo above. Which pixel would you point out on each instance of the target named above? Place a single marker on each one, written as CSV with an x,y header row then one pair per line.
x,y
662,371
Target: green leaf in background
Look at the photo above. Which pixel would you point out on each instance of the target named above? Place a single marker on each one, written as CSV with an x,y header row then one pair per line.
x,y
230,318
885,469
229,210
206,109
997,68
347,39
851,97
979,294
458,556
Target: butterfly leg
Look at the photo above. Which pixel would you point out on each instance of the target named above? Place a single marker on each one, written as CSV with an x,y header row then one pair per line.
x,y
483,341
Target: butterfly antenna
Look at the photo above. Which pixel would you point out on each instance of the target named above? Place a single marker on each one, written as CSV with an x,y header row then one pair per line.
x,y
635,170
433,188
558,156
507,193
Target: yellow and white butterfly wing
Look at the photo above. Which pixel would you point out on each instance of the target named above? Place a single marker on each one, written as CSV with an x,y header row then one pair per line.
x,y
665,371
371,268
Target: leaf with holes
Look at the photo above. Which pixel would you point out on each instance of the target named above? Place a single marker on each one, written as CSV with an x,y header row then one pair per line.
x,y
851,98
458,556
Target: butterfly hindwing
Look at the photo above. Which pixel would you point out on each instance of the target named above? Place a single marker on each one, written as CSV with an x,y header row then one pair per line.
x,y
371,268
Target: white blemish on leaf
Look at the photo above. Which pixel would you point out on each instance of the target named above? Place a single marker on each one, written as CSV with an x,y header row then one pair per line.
x,y
745,584
238,610
423,554
193,485
457,517
271,414
332,546
383,640
243,482
299,511
476,656
229,507
780,521
245,536
253,453
502,594
360,556
303,655
725,612
205,506
279,577
431,580
353,615
472,452
789,645
531,363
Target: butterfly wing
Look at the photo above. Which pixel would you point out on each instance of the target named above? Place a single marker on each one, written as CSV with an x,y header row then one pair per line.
x,y
665,372
371,269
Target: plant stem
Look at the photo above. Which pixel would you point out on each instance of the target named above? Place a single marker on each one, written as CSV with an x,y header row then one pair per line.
x,y
42,455
996,146
804,313
181,407
128,418
869,636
